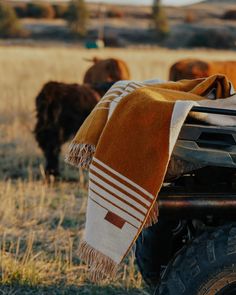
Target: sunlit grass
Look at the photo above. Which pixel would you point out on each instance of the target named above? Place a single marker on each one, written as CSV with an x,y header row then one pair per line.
x,y
40,228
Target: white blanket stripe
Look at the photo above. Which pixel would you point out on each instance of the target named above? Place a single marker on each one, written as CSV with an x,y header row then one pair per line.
x,y
103,108
127,88
127,180
104,101
110,197
111,92
120,185
108,98
121,92
117,99
108,206
136,83
131,88
117,192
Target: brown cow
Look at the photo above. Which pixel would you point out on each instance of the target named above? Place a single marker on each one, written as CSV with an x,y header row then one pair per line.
x,y
61,109
106,70
196,68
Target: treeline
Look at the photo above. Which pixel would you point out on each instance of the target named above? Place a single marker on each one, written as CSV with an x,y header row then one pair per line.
x,y
75,14
39,10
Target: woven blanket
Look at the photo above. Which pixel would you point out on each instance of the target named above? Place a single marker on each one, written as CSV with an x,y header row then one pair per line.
x,y
126,143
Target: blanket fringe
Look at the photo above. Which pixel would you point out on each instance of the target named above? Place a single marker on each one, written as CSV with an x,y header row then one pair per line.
x,y
80,154
100,264
153,216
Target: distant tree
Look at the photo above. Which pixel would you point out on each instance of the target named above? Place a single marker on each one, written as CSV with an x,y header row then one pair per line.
x,y
9,23
159,19
37,9
60,10
77,17
21,10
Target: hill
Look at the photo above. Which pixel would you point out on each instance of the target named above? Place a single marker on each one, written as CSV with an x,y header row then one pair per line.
x,y
219,1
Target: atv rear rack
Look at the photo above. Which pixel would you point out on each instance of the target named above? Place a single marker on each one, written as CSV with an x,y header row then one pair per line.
x,y
197,205
183,203
199,109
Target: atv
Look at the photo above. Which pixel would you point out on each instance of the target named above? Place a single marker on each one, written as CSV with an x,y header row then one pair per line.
x,y
192,248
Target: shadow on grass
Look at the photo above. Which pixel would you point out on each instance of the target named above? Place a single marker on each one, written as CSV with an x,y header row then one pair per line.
x,y
70,290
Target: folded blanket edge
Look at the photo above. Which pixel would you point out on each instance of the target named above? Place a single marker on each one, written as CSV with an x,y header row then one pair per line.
x,y
80,154
100,264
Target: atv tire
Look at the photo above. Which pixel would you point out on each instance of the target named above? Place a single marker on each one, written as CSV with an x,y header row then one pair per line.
x,y
207,266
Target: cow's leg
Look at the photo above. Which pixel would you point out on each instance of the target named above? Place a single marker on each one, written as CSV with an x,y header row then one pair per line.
x,y
52,154
50,143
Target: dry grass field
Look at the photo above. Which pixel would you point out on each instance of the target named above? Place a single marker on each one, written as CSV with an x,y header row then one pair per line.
x,y
40,224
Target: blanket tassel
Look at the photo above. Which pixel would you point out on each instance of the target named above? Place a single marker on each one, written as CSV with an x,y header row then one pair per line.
x,y
80,154
100,264
153,216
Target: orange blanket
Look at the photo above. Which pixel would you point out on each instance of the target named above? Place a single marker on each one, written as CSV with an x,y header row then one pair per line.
x,y
127,142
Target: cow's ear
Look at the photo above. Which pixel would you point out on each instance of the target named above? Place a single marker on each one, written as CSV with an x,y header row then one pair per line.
x,y
96,59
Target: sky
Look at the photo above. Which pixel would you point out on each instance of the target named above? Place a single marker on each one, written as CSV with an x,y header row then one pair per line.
x,y
148,2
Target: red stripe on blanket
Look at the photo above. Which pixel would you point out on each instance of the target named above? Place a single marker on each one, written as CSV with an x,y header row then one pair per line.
x,y
115,219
